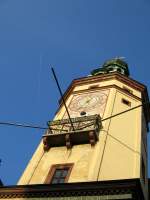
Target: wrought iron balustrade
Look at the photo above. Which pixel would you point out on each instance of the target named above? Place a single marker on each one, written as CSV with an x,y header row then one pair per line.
x,y
61,133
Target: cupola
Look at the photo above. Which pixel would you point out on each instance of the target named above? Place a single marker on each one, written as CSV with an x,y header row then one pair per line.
x,y
113,65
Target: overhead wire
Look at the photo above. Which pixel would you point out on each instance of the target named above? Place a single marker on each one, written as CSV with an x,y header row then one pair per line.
x,y
125,111
22,125
105,141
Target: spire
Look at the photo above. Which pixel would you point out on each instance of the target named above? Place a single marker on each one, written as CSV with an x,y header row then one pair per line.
x,y
113,65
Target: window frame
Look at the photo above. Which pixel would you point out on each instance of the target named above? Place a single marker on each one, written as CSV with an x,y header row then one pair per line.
x,y
53,169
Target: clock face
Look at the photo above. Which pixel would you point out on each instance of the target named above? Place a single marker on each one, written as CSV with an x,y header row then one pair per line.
x,y
87,102
91,103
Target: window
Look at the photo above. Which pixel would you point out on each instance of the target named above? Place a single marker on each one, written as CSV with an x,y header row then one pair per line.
x,y
119,70
125,101
59,174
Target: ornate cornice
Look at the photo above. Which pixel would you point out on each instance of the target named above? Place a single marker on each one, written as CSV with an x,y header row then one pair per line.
x,y
108,87
104,77
131,186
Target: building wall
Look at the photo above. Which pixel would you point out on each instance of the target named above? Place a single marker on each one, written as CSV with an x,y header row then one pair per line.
x,y
117,154
122,143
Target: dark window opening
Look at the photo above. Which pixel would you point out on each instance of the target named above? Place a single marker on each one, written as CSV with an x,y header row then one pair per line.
x,y
83,113
111,69
59,174
119,70
126,102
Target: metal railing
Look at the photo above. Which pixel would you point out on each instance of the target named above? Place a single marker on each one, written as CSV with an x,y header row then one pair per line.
x,y
85,123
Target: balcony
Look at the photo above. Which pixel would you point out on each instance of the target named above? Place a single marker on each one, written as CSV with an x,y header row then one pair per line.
x,y
61,133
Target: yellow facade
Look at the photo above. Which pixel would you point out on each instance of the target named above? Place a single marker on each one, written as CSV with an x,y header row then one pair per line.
x,y
120,151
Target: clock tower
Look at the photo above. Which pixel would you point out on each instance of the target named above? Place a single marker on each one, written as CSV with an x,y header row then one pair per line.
x,y
107,139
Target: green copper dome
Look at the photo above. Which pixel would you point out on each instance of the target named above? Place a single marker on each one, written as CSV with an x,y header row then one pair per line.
x,y
113,65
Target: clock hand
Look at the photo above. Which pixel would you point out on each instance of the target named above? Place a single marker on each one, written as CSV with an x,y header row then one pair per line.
x,y
89,100
83,105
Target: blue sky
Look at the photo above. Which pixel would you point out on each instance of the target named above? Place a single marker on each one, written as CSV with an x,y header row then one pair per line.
x,y
74,36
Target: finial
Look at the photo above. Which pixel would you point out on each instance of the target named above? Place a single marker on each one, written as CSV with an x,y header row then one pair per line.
x,y
119,58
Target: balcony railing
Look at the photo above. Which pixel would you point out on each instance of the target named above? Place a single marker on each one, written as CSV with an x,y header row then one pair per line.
x,y
61,133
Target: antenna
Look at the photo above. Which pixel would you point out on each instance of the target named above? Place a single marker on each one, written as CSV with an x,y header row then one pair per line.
x,y
61,94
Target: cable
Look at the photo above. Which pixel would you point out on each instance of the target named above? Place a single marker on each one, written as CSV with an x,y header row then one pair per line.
x,y
28,126
107,133
22,125
44,128
36,167
62,97
102,157
124,111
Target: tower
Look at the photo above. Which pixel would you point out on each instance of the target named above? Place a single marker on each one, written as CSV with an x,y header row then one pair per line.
x,y
106,139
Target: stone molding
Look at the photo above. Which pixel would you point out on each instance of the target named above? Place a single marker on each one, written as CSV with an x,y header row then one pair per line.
x,y
112,187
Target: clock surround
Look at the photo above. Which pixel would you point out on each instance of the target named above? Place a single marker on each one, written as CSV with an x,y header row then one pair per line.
x,y
90,102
